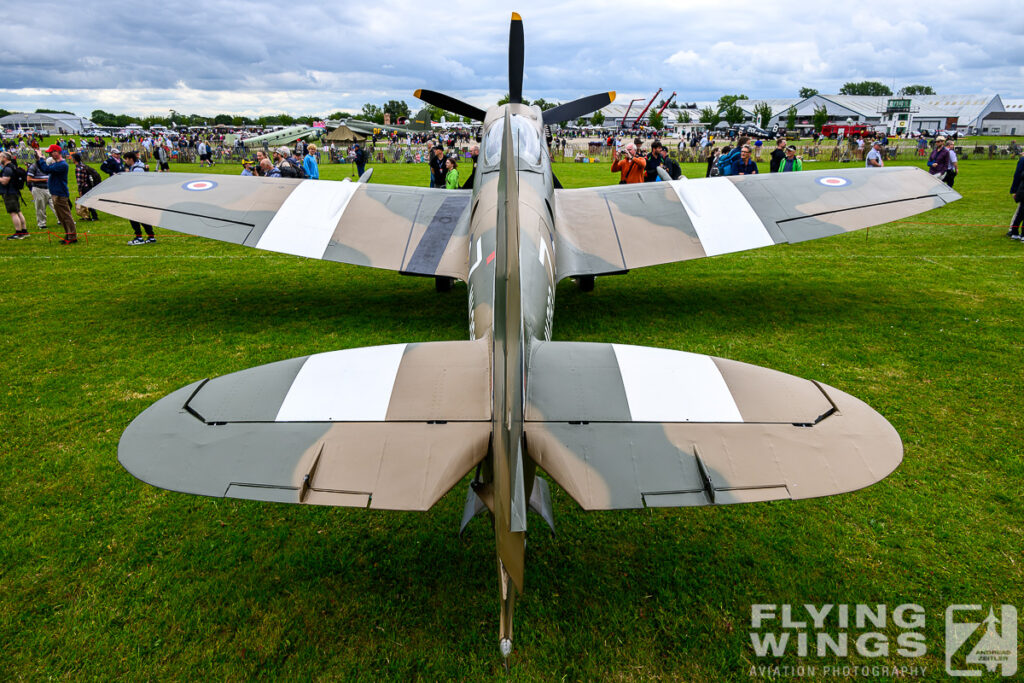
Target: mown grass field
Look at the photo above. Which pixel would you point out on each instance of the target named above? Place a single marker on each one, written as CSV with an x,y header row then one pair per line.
x,y
105,578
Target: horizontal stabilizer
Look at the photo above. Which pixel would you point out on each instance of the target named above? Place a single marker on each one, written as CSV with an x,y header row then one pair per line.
x,y
621,227
628,427
386,427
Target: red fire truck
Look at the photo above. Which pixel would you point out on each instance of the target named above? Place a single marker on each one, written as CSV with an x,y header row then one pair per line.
x,y
848,130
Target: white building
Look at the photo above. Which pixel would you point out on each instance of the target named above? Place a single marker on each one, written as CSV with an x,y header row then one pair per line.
x,y
899,113
50,124
1003,123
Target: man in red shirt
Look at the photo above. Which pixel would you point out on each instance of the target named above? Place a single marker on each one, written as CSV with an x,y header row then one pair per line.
x,y
629,165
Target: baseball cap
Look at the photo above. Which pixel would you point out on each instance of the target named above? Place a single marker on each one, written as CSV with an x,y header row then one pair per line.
x,y
283,151
115,150
54,148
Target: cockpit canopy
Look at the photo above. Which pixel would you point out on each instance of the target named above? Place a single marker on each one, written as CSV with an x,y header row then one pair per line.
x,y
525,139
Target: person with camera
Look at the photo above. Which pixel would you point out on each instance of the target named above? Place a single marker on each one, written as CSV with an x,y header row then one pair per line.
x,y
57,184
630,167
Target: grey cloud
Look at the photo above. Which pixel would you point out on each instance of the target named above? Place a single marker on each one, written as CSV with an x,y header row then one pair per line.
x,y
351,53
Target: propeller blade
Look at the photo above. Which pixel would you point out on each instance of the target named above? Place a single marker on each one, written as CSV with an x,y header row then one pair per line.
x,y
451,104
515,60
577,108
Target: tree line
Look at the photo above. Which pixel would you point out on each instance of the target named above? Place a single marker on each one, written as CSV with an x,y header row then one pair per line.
x,y
727,110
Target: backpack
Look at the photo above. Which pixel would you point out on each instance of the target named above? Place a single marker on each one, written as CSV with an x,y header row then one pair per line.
x,y
290,169
727,162
18,180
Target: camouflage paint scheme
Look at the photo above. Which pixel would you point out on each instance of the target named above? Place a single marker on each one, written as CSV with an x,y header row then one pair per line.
x,y
419,123
617,426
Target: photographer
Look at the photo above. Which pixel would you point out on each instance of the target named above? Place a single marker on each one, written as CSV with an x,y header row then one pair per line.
x,y
57,184
630,167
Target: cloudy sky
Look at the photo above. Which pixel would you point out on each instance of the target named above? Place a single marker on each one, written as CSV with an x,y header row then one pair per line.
x,y
258,57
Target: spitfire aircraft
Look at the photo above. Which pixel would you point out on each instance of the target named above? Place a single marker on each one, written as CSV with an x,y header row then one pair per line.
x,y
616,426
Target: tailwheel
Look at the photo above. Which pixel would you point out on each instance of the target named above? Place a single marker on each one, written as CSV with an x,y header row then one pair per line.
x,y
585,283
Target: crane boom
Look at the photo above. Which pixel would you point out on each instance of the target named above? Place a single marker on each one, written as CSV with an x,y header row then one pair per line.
x,y
641,114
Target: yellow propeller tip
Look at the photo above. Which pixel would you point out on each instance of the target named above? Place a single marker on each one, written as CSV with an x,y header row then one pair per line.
x,y
516,17
611,95
417,93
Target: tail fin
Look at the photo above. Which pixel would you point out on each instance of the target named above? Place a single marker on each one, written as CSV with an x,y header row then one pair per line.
x,y
421,121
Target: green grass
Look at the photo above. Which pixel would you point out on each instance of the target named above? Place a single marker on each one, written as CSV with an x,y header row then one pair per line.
x,y
103,577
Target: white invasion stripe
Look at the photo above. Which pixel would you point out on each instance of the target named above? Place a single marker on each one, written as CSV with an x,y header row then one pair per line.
x,y
723,218
308,217
674,386
353,385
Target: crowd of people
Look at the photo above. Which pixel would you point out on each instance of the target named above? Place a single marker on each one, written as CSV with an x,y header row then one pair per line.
x,y
46,177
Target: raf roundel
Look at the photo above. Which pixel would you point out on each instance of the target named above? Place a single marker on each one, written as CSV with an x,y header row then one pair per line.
x,y
833,181
199,185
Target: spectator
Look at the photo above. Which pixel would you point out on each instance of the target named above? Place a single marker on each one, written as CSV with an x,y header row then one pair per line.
x,y
451,178
922,145
246,168
12,195
954,167
86,179
670,164
628,165
205,153
360,159
1017,191
938,162
136,166
261,156
778,154
713,160
309,164
163,158
874,157
474,154
792,162
113,163
267,169
37,182
745,165
653,162
437,172
283,163
1014,147
57,184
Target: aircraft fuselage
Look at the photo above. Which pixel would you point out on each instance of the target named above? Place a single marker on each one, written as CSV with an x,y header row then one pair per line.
x,y
511,286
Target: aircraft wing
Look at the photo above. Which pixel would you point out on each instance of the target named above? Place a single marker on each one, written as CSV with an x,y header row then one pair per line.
x,y
412,230
623,427
385,427
620,227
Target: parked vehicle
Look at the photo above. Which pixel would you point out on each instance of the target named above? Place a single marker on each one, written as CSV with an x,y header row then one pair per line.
x,y
848,130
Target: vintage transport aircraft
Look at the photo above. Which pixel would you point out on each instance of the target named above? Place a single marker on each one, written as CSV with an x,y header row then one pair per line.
x,y
617,426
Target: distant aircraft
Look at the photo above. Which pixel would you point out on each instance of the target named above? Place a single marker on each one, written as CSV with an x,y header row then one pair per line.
x,y
284,136
418,124
616,426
